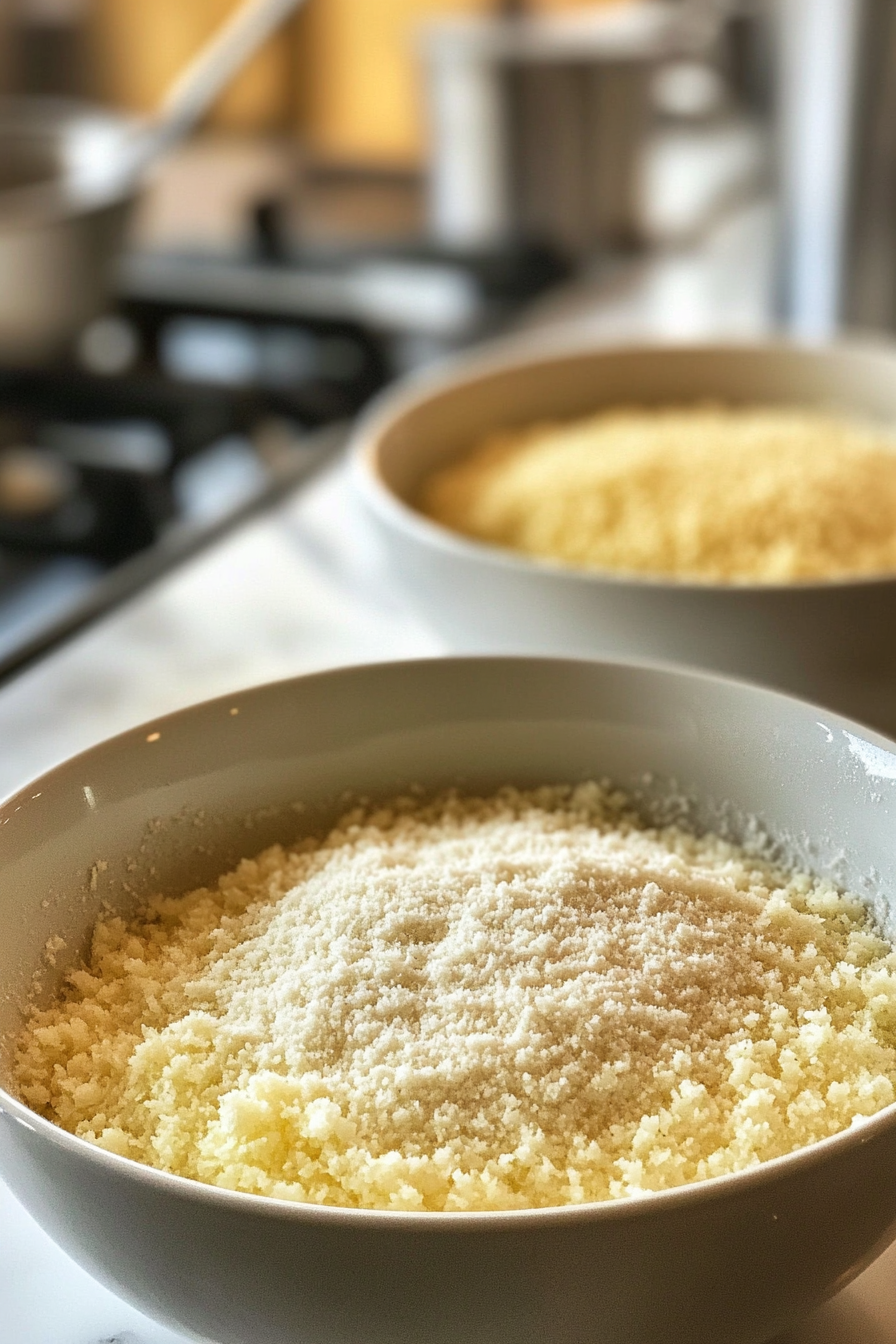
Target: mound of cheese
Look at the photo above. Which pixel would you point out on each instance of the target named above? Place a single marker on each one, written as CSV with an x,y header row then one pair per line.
x,y
522,1000
708,494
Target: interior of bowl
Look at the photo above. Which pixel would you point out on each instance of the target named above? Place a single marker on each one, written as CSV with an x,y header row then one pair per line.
x,y
172,805
428,424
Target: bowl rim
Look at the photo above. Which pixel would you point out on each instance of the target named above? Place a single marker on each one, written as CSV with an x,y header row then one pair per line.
x,y
504,356
709,1190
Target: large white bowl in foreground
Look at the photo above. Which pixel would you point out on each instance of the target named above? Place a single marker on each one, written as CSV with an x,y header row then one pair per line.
x,y
729,1261
834,642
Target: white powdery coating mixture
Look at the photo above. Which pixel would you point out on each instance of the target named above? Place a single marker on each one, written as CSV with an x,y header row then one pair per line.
x,y
516,1001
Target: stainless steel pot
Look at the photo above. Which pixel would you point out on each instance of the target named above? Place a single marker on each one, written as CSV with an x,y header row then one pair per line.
x,y
64,208
69,176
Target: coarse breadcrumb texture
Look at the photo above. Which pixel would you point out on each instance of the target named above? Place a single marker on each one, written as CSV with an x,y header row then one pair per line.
x,y
475,1003
703,493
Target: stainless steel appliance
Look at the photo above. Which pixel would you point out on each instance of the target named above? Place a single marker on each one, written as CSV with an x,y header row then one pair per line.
x,y
537,122
836,114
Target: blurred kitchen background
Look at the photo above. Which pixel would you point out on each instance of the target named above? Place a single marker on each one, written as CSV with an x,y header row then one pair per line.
x,y
501,146
383,183
184,338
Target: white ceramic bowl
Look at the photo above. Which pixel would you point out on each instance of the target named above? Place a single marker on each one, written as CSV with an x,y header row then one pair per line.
x,y
834,642
729,1261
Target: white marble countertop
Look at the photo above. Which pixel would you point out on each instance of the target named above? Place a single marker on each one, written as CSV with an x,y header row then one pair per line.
x,y
292,592
295,592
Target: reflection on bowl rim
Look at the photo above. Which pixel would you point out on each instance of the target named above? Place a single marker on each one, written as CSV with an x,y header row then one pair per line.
x,y
505,356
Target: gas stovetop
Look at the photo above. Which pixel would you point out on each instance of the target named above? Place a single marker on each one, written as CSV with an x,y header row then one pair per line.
x,y
202,394
106,482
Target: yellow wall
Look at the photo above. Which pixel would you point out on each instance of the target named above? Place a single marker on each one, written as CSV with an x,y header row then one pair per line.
x,y
345,72
141,45
363,99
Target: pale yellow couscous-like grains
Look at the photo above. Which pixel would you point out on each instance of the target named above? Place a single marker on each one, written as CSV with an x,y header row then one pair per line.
x,y
708,494
528,999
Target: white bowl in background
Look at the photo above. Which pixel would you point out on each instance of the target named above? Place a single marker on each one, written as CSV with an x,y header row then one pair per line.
x,y
732,1260
830,641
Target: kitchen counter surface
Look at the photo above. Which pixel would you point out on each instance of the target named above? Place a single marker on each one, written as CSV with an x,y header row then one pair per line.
x,y
296,592
290,593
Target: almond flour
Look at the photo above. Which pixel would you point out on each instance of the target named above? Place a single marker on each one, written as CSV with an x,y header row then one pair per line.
x,y
708,494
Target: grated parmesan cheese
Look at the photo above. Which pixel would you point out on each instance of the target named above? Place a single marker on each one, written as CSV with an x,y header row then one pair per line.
x,y
528,999
710,494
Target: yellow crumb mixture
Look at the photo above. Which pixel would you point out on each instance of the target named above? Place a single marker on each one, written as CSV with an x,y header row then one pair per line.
x,y
708,494
475,1003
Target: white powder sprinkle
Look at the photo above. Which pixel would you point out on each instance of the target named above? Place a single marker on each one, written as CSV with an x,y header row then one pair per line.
x,y
523,1000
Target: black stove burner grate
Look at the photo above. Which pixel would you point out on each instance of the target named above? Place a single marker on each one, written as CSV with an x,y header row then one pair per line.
x,y
191,404
107,482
